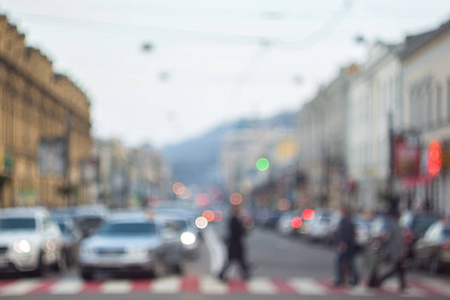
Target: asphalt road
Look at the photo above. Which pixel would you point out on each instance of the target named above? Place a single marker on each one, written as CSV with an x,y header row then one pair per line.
x,y
286,268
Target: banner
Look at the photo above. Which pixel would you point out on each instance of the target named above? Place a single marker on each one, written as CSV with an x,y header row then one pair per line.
x,y
52,157
406,158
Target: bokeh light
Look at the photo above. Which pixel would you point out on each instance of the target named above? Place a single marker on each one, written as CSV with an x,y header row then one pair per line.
x,y
284,204
187,238
202,199
218,216
215,191
208,215
262,164
186,195
236,198
308,214
201,222
296,222
178,188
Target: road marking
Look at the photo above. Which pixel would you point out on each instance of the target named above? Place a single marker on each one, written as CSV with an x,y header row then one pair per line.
x,y
216,249
209,285
20,287
169,285
116,287
441,287
212,286
70,286
307,286
261,285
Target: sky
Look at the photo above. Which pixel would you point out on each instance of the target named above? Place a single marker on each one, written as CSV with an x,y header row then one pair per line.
x,y
207,62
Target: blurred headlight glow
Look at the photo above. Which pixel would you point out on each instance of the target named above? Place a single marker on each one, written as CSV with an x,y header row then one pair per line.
x,y
187,238
201,222
22,246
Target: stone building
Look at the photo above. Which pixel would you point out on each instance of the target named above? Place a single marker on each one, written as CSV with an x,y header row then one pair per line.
x,y
44,127
322,132
426,90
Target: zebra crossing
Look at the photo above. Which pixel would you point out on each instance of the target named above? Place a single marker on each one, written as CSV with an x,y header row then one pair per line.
x,y
208,285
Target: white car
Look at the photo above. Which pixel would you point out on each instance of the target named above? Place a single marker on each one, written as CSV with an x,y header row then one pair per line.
x,y
131,245
29,241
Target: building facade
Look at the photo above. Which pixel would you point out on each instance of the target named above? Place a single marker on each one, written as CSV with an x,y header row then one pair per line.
x,y
375,101
44,128
322,131
426,90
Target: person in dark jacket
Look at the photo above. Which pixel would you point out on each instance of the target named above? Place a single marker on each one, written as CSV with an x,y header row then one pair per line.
x,y
236,248
346,247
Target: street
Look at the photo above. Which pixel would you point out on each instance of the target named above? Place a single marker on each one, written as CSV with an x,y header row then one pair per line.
x,y
286,267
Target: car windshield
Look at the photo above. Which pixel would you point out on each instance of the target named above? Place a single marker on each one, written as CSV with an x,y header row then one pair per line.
x,y
446,232
421,224
8,224
179,225
128,229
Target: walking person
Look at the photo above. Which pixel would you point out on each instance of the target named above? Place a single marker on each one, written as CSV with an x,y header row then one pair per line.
x,y
235,244
395,253
346,248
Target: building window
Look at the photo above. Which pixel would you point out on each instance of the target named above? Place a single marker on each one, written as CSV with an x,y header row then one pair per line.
x,y
439,105
448,99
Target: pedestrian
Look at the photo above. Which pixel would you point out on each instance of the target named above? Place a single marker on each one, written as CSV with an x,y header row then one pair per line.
x,y
395,252
346,248
235,244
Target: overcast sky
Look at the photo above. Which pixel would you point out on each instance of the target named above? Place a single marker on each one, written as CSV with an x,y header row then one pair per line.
x,y
210,61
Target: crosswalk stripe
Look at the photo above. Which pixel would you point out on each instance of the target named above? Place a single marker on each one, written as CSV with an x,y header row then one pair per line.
x,y
212,286
209,285
361,291
393,287
283,287
20,287
440,286
141,285
237,286
116,287
307,286
70,286
261,285
169,285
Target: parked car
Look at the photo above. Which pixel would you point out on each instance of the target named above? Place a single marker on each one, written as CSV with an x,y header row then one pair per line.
x,y
29,241
433,249
416,224
319,226
267,218
137,245
284,225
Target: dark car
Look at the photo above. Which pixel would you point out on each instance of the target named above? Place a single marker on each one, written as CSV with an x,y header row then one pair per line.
x,y
433,249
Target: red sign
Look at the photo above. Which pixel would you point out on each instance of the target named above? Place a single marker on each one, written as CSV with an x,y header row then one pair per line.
x,y
434,158
406,159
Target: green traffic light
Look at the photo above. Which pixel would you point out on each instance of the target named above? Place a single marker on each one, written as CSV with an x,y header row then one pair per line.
x,y
262,164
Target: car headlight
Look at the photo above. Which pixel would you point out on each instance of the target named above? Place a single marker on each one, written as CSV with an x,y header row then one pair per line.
x,y
22,246
187,238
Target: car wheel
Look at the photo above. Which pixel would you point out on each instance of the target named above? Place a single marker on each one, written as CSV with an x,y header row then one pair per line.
x,y
159,270
434,266
86,275
42,268
61,264
178,268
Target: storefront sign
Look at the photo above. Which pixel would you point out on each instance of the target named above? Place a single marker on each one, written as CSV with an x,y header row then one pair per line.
x,y
406,158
